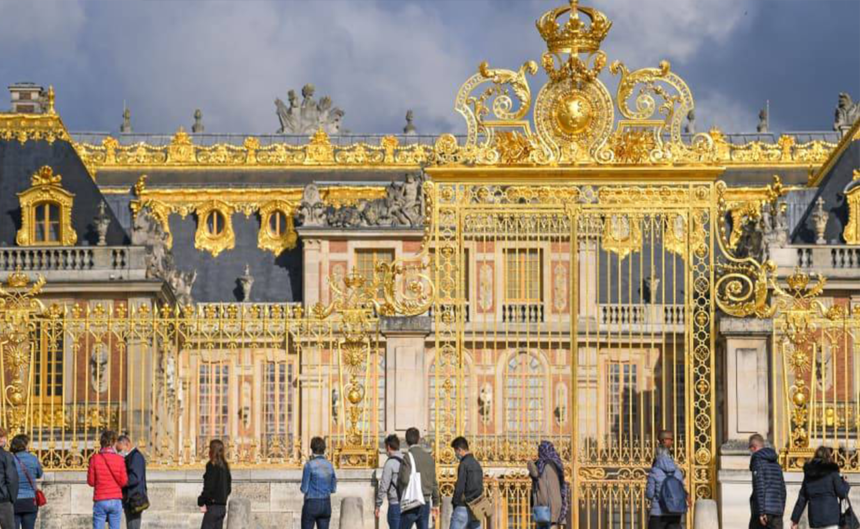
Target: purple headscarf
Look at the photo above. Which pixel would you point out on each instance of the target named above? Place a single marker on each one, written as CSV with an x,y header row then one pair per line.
x,y
548,455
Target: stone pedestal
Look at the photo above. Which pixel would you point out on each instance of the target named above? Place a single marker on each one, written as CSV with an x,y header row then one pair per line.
x,y
406,373
747,377
351,513
239,513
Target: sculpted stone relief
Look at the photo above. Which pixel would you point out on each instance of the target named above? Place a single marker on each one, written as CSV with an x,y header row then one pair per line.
x,y
402,207
147,231
485,287
309,116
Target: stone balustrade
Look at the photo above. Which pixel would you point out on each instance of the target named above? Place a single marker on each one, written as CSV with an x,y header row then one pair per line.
x,y
831,261
76,263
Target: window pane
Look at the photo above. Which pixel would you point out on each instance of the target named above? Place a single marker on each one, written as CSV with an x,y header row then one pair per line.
x,y
215,223
524,394
277,223
366,262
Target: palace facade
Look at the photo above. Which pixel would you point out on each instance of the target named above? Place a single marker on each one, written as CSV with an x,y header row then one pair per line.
x,y
581,266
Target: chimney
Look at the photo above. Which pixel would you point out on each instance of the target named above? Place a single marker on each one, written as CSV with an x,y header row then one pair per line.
x,y
28,98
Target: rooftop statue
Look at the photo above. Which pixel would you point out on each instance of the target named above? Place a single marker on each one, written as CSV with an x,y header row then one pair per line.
x,y
847,112
309,116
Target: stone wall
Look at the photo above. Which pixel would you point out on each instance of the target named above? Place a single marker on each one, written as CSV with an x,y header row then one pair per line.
x,y
276,502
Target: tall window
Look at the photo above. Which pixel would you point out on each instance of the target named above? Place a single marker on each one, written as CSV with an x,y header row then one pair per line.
x,y
523,275
48,366
214,400
621,404
366,262
47,222
279,400
524,394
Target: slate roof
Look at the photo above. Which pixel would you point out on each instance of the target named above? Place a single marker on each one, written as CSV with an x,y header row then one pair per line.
x,y
19,161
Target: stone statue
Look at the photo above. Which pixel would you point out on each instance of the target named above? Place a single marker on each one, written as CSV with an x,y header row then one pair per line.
x,y
335,405
409,129
690,127
650,287
310,116
101,223
198,122
312,210
485,403
126,121
847,112
98,368
407,202
246,282
820,218
762,121
148,232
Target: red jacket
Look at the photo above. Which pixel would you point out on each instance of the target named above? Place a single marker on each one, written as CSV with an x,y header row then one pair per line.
x,y
107,475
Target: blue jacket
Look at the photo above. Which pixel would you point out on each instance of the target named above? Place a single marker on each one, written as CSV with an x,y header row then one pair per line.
x,y
822,489
135,467
27,459
768,495
663,466
319,481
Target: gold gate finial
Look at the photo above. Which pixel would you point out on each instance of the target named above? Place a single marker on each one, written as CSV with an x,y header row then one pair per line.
x,y
575,36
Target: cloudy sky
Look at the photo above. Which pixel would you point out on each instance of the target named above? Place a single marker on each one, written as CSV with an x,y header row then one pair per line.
x,y
378,58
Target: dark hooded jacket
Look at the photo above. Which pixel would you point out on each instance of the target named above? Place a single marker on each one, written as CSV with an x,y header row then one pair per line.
x,y
822,489
768,495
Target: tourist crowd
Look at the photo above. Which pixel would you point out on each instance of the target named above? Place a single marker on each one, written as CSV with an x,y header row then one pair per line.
x,y
408,482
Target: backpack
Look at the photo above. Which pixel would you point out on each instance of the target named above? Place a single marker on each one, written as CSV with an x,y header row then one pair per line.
x,y
673,497
395,482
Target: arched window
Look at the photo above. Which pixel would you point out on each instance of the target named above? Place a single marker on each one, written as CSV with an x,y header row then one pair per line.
x,y
46,212
277,223
524,394
456,395
215,223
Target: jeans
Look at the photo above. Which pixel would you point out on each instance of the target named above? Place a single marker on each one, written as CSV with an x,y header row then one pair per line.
x,y
316,512
419,517
393,516
665,522
132,520
26,521
460,519
773,522
110,510
214,517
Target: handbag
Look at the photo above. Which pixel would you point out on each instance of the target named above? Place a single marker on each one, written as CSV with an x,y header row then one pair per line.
x,y
40,499
542,515
137,502
481,507
413,496
847,519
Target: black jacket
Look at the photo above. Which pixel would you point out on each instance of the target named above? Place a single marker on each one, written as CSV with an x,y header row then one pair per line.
x,y
470,482
768,495
822,488
135,467
217,485
8,478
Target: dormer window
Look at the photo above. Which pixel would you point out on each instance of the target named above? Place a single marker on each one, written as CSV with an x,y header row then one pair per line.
x,y
46,212
277,232
214,227
47,225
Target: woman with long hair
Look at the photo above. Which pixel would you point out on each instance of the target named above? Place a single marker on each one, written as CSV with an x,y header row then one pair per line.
x,y
548,486
217,485
822,489
29,470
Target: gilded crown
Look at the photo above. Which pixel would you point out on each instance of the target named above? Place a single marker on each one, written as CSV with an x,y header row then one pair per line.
x,y
17,279
574,36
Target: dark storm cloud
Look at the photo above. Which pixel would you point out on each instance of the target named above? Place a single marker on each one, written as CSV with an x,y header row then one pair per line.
x,y
377,58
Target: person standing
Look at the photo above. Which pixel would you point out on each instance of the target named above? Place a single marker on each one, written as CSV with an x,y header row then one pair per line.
x,y
388,482
319,482
426,466
823,489
217,486
134,495
8,485
550,489
106,474
468,487
663,479
767,503
29,470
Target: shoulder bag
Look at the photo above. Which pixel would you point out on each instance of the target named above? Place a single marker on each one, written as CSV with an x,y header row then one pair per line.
x,y
413,496
40,499
137,502
541,514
